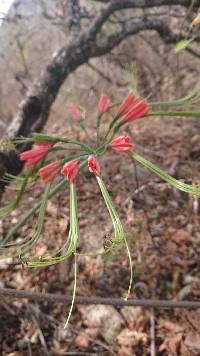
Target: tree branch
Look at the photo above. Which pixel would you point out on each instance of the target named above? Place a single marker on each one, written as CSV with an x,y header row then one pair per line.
x,y
116,5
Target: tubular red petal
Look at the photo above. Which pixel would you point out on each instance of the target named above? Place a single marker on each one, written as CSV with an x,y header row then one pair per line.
x,y
137,111
104,104
93,165
122,143
70,170
48,172
131,99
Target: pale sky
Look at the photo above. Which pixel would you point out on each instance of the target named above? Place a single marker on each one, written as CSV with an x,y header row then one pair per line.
x,y
5,5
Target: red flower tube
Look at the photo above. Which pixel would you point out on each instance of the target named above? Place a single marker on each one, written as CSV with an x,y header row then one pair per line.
x,y
104,104
32,157
130,100
70,170
48,172
122,143
136,111
93,165
75,112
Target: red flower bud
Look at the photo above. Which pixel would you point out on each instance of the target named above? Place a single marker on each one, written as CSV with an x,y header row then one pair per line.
x,y
70,170
75,112
48,172
136,111
32,157
130,100
93,165
122,143
104,104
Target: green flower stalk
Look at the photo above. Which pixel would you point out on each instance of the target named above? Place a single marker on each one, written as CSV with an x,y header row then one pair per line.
x,y
119,234
187,188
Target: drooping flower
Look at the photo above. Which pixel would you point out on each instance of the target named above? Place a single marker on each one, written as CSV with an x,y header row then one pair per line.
x,y
75,112
136,111
130,100
32,157
122,143
104,104
93,165
48,172
70,170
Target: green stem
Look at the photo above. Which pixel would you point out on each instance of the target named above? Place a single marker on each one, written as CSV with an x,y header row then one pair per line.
x,y
40,138
82,126
175,113
98,122
74,292
176,102
112,124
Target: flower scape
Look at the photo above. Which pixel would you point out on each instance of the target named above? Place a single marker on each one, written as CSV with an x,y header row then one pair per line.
x,y
37,165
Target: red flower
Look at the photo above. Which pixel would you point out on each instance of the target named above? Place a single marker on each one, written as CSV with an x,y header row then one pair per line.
x,y
93,165
70,170
32,157
136,111
122,143
74,112
48,172
127,103
104,104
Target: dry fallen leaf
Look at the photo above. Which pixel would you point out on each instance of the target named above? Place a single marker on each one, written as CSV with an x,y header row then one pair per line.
x,y
103,317
192,342
85,337
130,338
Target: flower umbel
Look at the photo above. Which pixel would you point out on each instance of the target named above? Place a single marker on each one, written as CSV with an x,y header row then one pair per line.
x,y
93,165
48,172
70,170
122,143
77,155
104,104
40,151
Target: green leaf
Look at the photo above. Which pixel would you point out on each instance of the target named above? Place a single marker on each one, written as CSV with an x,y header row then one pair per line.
x,y
71,244
30,241
181,45
187,188
32,211
6,210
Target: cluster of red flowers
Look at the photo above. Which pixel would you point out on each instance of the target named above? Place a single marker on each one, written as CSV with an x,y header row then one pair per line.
x,y
132,108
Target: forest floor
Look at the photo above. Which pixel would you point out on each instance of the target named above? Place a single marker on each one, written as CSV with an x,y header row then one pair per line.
x,y
163,231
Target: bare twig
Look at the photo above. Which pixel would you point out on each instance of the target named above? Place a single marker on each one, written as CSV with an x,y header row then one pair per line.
x,y
152,333
56,298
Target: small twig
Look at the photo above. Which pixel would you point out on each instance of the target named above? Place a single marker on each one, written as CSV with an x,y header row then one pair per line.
x,y
56,298
41,337
152,333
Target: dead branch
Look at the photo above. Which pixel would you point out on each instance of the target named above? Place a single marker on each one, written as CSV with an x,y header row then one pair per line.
x,y
62,299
